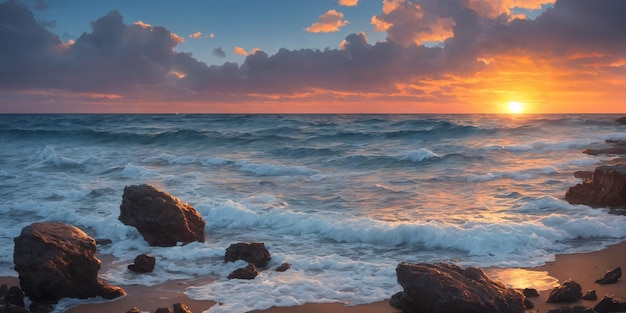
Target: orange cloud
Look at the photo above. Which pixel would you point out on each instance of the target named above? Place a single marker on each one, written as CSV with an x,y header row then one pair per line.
x,y
196,35
242,51
348,3
328,22
142,24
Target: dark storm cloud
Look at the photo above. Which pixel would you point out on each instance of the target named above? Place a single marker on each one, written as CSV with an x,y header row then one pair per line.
x,y
218,52
116,57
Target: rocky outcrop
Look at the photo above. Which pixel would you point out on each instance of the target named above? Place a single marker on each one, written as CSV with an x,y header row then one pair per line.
x,y
56,261
444,288
570,291
611,277
248,272
162,219
144,263
606,188
610,147
251,252
609,304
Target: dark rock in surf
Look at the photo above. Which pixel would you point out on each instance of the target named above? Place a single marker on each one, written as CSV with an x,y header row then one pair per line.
x,y
248,272
583,174
611,277
570,291
607,188
530,293
621,120
143,263
57,261
611,147
251,252
590,295
162,219
444,288
283,267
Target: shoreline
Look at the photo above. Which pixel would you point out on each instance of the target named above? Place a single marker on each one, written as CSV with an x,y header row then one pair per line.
x,y
583,268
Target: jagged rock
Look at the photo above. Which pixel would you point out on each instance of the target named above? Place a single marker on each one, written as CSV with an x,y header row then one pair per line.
x,y
162,219
611,277
444,288
609,304
251,252
283,267
15,296
248,272
56,261
530,292
181,308
144,263
568,292
607,188
590,295
134,310
163,310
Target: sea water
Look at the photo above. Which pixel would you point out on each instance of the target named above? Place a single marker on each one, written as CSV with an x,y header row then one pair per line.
x,y
342,198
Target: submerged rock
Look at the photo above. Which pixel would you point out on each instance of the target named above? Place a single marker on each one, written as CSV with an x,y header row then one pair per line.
x,y
570,291
444,288
607,188
248,272
283,267
57,261
162,219
251,252
611,277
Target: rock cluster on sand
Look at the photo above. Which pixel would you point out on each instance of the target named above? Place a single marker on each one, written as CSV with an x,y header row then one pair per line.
x,y
56,261
162,219
445,288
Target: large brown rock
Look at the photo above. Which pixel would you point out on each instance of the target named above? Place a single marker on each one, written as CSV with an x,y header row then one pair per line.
x,y
606,188
570,291
162,219
445,288
57,261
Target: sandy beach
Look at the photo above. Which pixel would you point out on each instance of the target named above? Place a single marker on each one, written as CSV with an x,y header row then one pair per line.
x,y
583,268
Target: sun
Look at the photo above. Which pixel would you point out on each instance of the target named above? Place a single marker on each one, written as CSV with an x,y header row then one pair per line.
x,y
516,107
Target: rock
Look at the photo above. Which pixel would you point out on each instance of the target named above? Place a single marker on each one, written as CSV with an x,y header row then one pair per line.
x,y
528,304
162,219
611,277
611,147
444,288
530,293
396,300
3,291
251,252
583,174
14,296
621,120
144,263
181,308
39,307
590,295
134,310
283,267
103,241
568,292
248,272
607,188
609,304
580,309
163,310
10,308
56,261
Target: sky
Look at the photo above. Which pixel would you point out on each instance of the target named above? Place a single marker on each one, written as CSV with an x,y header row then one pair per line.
x,y
313,56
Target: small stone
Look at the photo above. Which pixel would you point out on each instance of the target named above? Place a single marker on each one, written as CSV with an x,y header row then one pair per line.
x,y
528,304
251,252
569,291
163,310
144,263
248,272
283,267
181,308
590,295
134,310
611,277
530,293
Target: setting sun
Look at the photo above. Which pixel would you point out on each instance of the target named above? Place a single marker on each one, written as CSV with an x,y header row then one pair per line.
x,y
516,107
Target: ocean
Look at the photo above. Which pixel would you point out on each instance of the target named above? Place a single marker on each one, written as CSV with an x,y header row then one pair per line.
x,y
342,198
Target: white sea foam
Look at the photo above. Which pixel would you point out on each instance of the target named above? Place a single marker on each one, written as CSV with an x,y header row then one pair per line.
x,y
419,155
275,170
133,171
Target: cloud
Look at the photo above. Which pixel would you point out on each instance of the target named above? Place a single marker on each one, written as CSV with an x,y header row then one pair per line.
x,y
41,5
348,3
212,35
328,22
218,52
199,35
242,51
